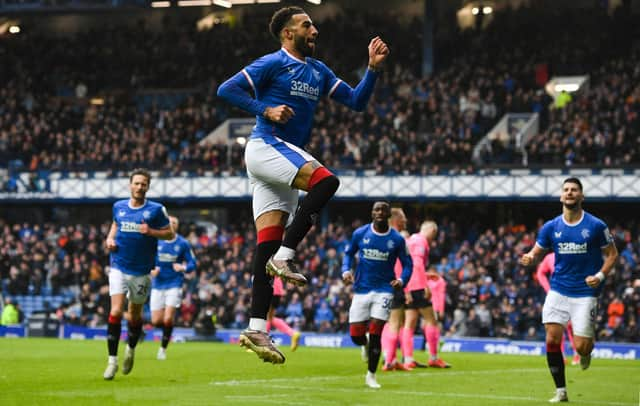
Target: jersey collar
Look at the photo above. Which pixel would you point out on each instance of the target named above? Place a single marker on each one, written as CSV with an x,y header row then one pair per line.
x,y
373,230
292,57
574,224
136,208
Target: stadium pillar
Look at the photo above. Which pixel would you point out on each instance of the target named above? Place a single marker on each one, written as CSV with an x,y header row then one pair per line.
x,y
427,37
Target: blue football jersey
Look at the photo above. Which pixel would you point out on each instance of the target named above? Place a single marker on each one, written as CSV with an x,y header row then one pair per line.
x,y
136,253
578,249
169,253
377,254
280,78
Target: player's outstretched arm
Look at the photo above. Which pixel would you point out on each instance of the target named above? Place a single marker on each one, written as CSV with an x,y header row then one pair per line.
x,y
358,98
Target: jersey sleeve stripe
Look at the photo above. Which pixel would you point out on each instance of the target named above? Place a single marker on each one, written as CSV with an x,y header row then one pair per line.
x,y
334,87
246,75
538,244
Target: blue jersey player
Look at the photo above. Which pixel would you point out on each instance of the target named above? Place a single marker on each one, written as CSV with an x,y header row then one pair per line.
x,y
584,255
378,247
287,86
137,226
174,259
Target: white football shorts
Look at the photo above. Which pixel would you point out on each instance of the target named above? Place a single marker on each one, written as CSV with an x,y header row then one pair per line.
x,y
161,298
272,166
372,305
580,310
136,287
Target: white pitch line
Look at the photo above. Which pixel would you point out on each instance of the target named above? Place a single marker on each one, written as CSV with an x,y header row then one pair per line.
x,y
265,399
235,382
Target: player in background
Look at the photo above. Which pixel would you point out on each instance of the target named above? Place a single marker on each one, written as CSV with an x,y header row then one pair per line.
x,y
392,331
543,273
579,241
438,289
277,322
378,247
417,301
174,259
288,85
137,226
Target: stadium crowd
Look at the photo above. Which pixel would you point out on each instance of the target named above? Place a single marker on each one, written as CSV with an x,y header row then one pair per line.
x,y
414,125
488,293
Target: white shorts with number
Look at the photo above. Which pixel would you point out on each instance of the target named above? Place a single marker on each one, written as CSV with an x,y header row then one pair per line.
x,y
272,166
136,287
372,305
161,298
580,310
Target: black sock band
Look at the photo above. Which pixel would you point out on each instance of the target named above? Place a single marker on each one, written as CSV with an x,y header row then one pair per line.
x,y
309,210
113,337
262,289
166,335
375,348
134,334
555,361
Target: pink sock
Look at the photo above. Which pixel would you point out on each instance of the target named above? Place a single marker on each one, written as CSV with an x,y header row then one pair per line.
x,y
407,343
432,334
392,344
384,338
282,326
571,341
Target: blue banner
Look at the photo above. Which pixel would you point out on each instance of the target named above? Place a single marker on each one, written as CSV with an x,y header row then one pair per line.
x,y
12,331
605,350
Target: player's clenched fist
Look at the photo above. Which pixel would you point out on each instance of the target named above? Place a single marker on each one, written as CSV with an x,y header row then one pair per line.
x,y
279,114
378,52
526,259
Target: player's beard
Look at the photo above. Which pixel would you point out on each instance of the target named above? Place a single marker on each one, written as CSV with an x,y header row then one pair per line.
x,y
572,206
303,47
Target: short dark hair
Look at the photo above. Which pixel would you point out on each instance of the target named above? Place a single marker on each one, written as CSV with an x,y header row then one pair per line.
x,y
573,180
140,171
281,17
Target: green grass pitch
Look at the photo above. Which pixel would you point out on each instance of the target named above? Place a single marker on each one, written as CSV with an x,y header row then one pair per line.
x,y
67,372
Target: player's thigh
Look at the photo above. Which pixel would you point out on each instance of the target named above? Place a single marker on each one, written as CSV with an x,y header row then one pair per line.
x,y
138,288
583,316
360,309
273,204
429,315
556,309
381,305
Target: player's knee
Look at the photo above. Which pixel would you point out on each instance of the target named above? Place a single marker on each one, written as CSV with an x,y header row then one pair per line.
x,y
168,322
553,346
357,332
584,348
325,176
376,328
